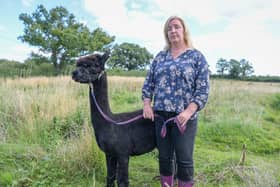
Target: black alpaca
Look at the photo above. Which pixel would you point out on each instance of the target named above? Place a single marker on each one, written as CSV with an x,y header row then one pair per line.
x,y
117,141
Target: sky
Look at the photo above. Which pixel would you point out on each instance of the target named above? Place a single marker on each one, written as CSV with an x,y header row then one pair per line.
x,y
219,29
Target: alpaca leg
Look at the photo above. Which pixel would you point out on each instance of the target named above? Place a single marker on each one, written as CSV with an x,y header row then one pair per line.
x,y
111,162
122,173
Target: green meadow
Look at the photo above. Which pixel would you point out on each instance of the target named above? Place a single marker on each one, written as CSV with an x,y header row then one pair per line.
x,y
46,138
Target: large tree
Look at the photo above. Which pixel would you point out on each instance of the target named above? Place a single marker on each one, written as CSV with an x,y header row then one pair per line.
x,y
129,56
60,37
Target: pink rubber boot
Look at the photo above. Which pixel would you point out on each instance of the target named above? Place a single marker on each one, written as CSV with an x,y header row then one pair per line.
x,y
166,181
185,184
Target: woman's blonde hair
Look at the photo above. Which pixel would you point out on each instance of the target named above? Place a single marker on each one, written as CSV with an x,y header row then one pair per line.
x,y
187,39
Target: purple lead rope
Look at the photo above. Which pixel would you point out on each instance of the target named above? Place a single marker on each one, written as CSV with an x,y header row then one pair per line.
x,y
107,117
163,130
175,120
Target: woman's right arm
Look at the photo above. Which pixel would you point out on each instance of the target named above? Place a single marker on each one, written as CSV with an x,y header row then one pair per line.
x,y
148,92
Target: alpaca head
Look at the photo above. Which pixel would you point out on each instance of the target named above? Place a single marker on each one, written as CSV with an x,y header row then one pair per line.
x,y
89,68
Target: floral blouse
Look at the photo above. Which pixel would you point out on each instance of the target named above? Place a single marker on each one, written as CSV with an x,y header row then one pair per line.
x,y
174,83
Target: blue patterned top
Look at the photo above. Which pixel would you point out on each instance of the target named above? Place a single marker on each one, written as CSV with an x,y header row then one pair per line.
x,y
174,83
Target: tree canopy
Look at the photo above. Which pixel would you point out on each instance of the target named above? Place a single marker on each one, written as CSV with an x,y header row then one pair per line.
x,y
234,68
60,37
129,56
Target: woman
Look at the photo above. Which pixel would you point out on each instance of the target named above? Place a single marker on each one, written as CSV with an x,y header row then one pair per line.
x,y
178,84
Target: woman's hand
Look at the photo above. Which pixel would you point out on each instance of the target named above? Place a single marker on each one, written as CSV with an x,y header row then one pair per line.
x,y
184,116
148,112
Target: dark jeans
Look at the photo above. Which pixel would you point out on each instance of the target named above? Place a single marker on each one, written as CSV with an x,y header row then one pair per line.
x,y
181,145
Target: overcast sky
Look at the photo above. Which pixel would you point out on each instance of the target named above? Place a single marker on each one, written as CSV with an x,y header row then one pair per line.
x,y
219,29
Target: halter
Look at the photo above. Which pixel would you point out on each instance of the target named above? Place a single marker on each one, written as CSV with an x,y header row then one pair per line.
x,y
100,74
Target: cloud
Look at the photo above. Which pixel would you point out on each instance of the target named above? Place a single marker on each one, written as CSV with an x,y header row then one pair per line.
x,y
2,28
206,12
245,37
17,52
247,27
259,48
117,20
27,3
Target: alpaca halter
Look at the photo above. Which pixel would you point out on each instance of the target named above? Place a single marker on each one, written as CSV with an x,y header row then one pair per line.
x,y
100,74
107,118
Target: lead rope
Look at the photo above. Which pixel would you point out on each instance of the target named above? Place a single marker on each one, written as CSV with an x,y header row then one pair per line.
x,y
163,130
107,117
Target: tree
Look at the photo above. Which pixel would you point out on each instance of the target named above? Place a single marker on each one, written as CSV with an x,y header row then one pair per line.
x,y
129,56
246,68
222,66
60,37
234,68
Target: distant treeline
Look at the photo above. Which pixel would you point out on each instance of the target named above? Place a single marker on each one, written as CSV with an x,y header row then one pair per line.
x,y
259,78
16,69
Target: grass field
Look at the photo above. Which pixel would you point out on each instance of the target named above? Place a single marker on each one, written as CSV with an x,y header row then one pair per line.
x,y
46,138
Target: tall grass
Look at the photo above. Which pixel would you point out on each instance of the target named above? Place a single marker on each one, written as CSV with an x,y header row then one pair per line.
x,y
46,138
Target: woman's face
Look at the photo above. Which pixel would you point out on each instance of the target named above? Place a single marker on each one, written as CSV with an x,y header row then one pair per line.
x,y
175,31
